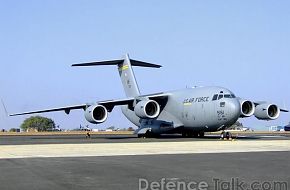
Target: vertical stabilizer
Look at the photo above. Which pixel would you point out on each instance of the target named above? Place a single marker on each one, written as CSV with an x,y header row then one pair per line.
x,y
126,72
128,78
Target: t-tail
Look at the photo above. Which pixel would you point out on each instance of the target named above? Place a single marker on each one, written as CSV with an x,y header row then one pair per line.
x,y
126,72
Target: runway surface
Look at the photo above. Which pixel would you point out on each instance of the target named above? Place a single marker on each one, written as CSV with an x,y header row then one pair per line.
x,y
126,162
124,172
80,139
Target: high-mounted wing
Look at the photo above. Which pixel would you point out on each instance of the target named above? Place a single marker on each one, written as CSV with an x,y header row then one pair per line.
x,y
67,109
264,102
109,104
161,98
284,110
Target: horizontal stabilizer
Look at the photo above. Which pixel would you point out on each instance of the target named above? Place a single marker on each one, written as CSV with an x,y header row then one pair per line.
x,y
118,62
284,110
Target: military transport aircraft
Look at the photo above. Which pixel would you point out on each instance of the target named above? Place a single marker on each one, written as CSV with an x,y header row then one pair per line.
x,y
190,112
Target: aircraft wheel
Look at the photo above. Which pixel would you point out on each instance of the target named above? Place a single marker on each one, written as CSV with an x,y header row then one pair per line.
x,y
190,134
201,134
228,135
140,135
149,134
223,135
195,134
184,134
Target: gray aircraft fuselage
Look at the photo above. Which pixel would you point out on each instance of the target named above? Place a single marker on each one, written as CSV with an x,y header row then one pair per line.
x,y
193,109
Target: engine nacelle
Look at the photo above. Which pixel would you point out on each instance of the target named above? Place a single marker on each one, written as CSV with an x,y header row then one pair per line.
x,y
149,109
96,114
267,111
247,108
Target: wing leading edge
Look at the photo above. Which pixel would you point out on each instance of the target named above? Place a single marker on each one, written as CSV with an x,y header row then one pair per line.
x,y
67,109
264,102
109,104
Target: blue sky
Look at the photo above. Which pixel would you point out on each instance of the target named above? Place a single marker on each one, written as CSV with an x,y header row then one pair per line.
x,y
240,45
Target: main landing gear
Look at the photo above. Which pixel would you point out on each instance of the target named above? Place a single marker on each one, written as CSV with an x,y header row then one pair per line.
x,y
148,134
225,135
189,134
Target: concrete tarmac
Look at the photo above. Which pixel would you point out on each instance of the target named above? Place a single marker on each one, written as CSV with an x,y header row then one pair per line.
x,y
113,138
145,148
124,172
125,162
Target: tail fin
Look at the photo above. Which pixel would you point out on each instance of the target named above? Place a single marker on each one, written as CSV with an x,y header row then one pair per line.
x,y
125,71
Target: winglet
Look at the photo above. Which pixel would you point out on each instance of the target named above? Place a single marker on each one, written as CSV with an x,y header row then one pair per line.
x,y
5,109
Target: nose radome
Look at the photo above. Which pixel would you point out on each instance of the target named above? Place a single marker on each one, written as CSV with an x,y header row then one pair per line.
x,y
234,108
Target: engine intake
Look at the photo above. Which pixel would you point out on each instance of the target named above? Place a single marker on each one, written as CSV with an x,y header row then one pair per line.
x,y
96,114
267,111
247,108
147,109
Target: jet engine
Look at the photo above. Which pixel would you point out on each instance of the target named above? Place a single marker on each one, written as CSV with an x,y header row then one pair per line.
x,y
147,109
247,108
96,114
267,111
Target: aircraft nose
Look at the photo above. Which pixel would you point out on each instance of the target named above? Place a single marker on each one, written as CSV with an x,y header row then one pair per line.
x,y
234,108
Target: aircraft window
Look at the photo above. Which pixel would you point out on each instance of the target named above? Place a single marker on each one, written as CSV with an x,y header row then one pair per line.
x,y
233,96
220,96
215,97
228,96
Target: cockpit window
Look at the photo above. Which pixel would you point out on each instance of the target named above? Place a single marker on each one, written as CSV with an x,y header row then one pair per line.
x,y
228,96
220,96
215,97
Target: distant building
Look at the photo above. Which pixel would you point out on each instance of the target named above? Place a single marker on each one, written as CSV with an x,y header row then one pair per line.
x,y
15,130
276,128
